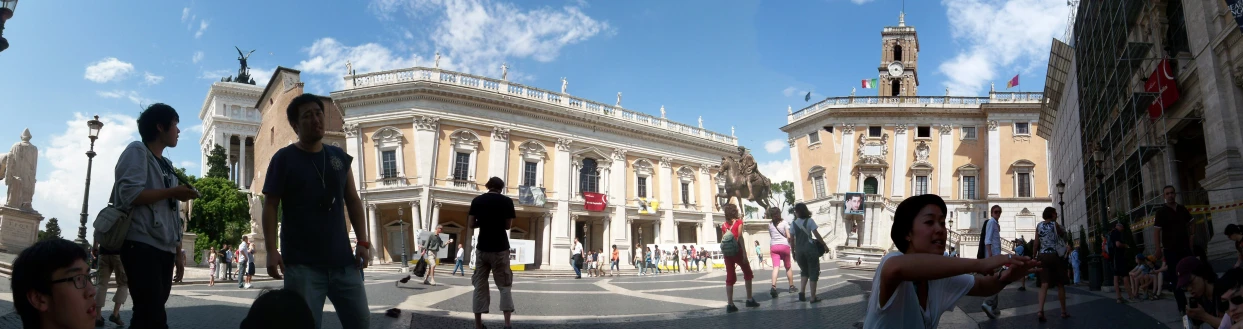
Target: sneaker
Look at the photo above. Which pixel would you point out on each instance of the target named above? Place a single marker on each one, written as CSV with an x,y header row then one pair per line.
x,y
248,286
752,303
99,322
773,292
793,289
989,311
116,318
731,308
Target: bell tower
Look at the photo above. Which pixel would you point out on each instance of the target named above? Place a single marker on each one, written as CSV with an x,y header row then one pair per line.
x,y
899,59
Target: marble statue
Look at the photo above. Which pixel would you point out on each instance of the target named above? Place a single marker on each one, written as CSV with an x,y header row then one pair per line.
x,y
789,109
437,63
662,111
852,91
563,84
947,91
256,214
731,131
17,169
701,122
992,87
349,68
619,99
505,71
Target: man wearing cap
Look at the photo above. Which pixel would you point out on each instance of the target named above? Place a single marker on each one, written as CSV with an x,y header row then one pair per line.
x,y
1201,283
1172,237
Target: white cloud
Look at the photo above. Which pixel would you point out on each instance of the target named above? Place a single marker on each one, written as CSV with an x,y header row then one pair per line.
x,y
789,91
133,96
188,164
328,57
860,2
778,170
997,34
63,165
478,35
216,74
261,75
194,129
151,79
202,27
108,69
198,56
185,14
774,146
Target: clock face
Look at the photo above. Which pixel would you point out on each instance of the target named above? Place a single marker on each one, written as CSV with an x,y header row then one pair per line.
x,y
895,69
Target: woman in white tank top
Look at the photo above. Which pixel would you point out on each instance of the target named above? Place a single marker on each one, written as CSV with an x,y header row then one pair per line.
x,y
779,247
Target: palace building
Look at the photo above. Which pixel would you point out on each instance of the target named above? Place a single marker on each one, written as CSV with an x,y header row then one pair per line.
x,y
973,151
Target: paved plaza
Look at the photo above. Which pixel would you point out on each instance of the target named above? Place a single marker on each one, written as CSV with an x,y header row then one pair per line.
x,y
692,300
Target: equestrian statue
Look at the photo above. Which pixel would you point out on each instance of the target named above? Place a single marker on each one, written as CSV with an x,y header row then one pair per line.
x,y
744,181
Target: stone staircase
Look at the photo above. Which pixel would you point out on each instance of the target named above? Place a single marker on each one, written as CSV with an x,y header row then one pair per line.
x,y
859,258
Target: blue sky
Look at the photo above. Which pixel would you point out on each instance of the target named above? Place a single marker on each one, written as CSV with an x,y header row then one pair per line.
x,y
736,63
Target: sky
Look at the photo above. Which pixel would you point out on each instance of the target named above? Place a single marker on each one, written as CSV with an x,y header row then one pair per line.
x,y
738,64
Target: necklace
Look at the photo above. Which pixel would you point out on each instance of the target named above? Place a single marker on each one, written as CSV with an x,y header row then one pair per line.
x,y
318,172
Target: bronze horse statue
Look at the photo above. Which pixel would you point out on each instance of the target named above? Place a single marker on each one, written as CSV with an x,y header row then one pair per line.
x,y
759,189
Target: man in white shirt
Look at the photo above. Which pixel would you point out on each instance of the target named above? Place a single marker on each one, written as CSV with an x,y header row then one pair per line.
x,y
992,247
576,258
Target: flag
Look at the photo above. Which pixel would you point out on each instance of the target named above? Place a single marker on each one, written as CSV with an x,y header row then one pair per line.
x,y
869,84
1161,81
594,201
648,206
1014,82
808,97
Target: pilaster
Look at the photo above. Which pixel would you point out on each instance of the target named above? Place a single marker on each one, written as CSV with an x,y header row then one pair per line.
x,y
373,224
994,160
498,154
668,231
426,141
898,170
945,164
799,176
846,159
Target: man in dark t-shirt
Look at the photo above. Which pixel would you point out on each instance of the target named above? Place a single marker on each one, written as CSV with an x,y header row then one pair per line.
x,y
1171,228
1117,254
493,214
314,187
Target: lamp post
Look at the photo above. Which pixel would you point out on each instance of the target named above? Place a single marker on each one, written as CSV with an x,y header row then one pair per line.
x,y
7,7
94,126
1061,201
402,222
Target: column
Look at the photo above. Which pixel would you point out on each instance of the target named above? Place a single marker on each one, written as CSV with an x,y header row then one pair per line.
x,y
426,141
668,229
244,172
560,221
898,170
228,151
617,198
799,175
498,156
546,239
707,204
606,240
416,217
435,215
374,223
945,165
994,160
846,160
352,147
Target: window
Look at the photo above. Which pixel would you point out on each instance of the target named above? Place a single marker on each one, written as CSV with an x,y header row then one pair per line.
x,y
968,133
642,187
828,129
530,170
388,164
686,193
968,187
923,132
1025,185
461,166
819,184
895,87
897,52
1022,128
874,131
869,185
921,185
588,178
813,137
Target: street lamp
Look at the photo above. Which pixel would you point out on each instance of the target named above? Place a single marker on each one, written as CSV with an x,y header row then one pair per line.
x,y
7,7
1097,268
94,125
402,222
1061,201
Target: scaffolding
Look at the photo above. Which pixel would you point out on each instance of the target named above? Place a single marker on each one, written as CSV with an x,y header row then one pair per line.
x,y
1114,55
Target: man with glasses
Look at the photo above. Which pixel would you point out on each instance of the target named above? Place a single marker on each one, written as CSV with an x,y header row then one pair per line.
x,y
52,286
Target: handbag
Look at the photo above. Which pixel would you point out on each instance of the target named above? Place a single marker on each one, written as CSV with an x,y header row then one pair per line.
x,y
112,224
818,243
420,268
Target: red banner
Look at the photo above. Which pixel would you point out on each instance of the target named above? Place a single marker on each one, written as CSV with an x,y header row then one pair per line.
x,y
595,201
1161,81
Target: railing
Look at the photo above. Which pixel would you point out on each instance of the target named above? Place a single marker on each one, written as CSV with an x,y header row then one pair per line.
x,y
389,182
914,101
539,95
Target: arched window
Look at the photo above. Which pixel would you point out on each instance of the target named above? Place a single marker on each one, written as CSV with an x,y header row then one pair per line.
x,y
869,185
897,52
895,87
587,176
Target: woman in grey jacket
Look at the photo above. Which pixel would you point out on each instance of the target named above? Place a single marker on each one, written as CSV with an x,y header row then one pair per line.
x,y
146,182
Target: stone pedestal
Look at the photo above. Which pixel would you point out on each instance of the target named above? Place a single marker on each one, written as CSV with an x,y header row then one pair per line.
x,y
18,229
187,246
261,253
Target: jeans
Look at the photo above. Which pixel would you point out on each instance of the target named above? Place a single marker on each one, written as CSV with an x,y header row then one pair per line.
x,y
1172,257
241,275
614,267
642,267
458,267
150,274
228,270
1077,275
577,271
342,285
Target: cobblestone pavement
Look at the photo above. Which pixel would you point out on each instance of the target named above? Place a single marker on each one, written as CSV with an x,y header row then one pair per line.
x,y
693,300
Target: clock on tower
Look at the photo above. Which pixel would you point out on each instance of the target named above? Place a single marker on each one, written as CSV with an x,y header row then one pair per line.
x,y
899,74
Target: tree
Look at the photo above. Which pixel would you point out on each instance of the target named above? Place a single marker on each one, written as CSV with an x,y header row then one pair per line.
x,y
749,211
785,189
220,215
1083,243
217,163
52,231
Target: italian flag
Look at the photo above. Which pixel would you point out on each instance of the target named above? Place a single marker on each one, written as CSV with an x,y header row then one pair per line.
x,y
869,84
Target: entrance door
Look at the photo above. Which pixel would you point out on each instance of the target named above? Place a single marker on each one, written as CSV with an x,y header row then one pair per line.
x,y
394,244
453,247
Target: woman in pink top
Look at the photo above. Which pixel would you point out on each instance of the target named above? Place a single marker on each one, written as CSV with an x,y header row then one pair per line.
x,y
733,224
779,246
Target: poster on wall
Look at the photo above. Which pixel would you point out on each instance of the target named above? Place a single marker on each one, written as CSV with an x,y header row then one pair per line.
x,y
421,240
531,196
648,206
854,204
593,201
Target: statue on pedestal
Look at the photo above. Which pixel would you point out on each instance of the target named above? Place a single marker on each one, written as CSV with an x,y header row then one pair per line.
x,y
743,180
17,170
505,72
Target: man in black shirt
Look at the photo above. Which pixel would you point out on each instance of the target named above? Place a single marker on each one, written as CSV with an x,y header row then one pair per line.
x,y
313,185
1171,230
1117,254
493,214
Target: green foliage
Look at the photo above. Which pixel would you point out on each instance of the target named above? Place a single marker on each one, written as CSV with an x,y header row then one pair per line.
x,y
221,215
749,211
52,231
217,163
785,189
1083,242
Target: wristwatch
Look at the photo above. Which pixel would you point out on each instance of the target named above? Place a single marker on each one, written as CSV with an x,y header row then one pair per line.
x,y
364,244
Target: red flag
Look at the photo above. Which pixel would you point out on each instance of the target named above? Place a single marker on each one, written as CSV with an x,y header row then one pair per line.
x,y
595,201
1161,81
